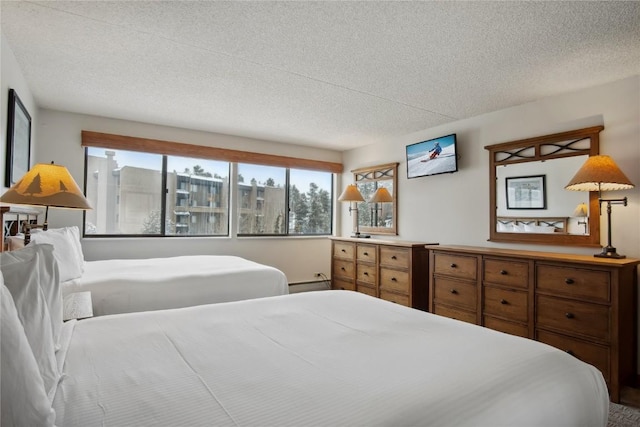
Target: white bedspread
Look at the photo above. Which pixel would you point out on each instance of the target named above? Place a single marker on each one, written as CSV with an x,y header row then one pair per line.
x,y
131,285
326,358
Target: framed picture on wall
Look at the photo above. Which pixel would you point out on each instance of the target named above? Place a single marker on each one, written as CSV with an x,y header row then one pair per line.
x,y
526,192
18,140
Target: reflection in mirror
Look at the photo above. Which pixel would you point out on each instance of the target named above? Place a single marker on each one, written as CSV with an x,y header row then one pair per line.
x,y
528,202
560,202
377,214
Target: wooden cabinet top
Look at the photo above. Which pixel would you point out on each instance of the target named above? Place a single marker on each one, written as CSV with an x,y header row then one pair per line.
x,y
371,241
540,256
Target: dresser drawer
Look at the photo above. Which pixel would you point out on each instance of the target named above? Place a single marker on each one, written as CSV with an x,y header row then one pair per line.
x,y
343,269
366,290
366,273
454,313
366,253
570,316
343,285
592,354
506,303
344,250
394,280
455,292
397,298
507,327
509,273
464,267
394,257
573,282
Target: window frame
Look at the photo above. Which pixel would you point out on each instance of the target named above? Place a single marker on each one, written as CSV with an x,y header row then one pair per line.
x,y
233,157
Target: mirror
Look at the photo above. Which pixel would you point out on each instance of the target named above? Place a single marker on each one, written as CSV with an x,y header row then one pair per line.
x,y
528,201
378,217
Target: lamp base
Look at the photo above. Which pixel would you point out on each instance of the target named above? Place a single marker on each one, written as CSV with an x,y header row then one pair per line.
x,y
361,236
609,252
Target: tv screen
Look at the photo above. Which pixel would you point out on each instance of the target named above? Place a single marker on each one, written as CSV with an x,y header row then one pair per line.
x,y
432,157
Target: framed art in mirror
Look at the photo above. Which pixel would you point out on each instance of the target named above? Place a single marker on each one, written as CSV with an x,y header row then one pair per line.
x,y
530,175
18,140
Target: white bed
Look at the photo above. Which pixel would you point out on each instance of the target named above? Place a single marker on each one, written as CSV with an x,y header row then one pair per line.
x,y
326,358
131,285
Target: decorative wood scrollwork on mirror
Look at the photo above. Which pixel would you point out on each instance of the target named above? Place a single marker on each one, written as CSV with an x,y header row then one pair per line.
x,y
378,217
557,157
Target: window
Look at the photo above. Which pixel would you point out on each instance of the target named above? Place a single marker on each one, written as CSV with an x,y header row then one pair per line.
x,y
126,191
310,207
158,191
262,199
197,189
265,207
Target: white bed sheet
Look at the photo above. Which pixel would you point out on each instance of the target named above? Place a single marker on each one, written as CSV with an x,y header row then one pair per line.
x,y
131,285
326,358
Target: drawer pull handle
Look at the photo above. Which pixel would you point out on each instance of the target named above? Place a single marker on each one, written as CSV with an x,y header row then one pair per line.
x,y
503,272
365,273
342,268
570,352
366,253
393,279
504,301
453,291
343,250
568,281
453,265
569,315
394,257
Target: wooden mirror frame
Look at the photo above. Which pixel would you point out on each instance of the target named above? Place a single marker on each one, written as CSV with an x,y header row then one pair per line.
x,y
544,148
384,172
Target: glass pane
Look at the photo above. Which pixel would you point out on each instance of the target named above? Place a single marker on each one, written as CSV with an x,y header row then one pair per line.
x,y
197,197
377,215
125,190
261,199
310,196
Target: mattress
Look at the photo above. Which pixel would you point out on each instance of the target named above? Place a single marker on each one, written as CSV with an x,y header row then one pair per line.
x,y
131,285
325,358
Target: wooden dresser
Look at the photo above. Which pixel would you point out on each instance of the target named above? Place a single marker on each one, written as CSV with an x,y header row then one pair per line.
x,y
393,270
584,305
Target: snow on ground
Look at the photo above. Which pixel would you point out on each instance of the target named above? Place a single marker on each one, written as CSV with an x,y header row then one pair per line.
x,y
445,162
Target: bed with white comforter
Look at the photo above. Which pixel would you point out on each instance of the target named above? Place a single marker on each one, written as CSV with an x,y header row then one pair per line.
x,y
131,285
326,358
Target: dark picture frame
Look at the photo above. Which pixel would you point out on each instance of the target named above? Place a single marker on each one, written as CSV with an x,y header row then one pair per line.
x,y
526,192
18,140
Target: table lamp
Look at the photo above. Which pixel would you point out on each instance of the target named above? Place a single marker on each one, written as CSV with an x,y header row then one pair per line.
x,y
381,195
45,185
352,194
600,173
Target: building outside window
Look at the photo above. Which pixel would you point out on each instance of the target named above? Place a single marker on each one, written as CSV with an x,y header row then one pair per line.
x,y
138,194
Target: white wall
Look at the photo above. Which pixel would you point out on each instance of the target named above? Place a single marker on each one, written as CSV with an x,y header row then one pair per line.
x,y
454,208
11,77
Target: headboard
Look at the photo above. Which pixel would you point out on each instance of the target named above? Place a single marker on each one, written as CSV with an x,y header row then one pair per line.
x,y
544,224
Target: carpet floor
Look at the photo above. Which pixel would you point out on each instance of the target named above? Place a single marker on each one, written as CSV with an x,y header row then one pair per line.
x,y
623,416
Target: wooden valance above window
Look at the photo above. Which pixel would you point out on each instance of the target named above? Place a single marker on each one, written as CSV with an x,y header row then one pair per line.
x,y
130,143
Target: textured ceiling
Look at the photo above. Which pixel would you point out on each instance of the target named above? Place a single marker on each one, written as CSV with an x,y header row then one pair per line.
x,y
336,75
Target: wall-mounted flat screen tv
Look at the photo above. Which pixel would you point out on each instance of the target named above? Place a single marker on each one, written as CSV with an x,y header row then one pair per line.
x,y
432,157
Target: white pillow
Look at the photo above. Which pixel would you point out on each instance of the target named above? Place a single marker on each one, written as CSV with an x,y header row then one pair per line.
x,y
539,229
65,250
505,228
24,271
518,228
24,402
